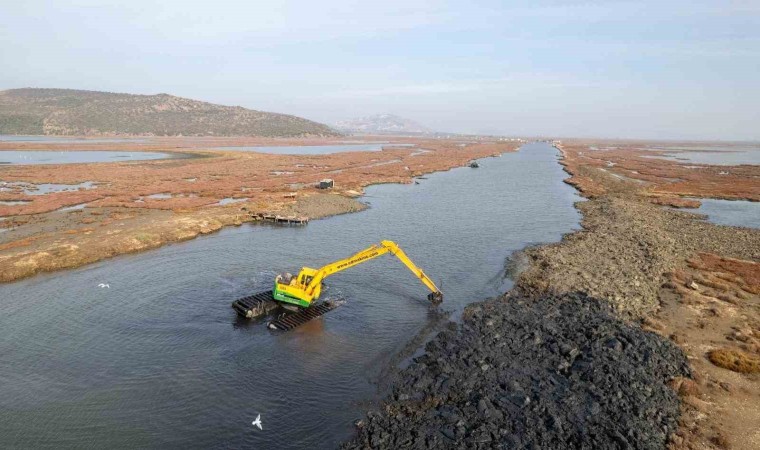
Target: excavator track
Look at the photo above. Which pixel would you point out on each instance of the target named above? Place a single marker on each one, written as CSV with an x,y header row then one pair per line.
x,y
296,319
256,305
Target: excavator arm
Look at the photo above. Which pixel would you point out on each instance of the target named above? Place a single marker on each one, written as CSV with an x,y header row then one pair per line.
x,y
343,264
435,296
308,284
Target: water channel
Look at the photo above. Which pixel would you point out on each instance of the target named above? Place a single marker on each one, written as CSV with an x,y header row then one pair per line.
x,y
160,359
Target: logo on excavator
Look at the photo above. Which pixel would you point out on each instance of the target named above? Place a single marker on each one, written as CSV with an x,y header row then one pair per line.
x,y
357,260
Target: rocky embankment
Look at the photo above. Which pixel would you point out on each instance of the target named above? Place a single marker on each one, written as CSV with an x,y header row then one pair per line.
x,y
554,372
625,248
572,357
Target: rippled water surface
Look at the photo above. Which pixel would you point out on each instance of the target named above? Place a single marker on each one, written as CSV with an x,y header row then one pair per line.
x,y
25,157
160,359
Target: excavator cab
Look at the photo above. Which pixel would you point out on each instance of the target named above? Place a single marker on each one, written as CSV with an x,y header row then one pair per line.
x,y
293,289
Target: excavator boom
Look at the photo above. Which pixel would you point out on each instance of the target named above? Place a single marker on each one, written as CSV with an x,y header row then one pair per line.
x,y
307,286
299,292
435,296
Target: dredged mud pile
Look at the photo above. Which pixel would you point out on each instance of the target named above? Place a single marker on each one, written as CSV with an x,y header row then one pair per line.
x,y
554,372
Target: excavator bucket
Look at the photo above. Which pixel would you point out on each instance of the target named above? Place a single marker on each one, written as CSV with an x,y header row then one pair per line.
x,y
435,297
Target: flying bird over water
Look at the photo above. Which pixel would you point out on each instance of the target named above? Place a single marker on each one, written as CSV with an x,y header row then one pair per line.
x,y
104,285
257,422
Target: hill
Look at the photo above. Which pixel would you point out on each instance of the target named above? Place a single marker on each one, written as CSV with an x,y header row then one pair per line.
x,y
382,124
74,112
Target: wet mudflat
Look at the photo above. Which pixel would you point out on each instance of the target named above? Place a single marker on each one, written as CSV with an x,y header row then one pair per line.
x,y
158,357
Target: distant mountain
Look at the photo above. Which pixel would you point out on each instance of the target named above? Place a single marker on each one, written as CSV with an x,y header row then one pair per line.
x,y
382,124
72,112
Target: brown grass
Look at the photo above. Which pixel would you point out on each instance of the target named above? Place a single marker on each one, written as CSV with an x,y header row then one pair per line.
x,y
586,185
721,441
223,174
676,202
707,281
16,244
665,179
748,271
735,360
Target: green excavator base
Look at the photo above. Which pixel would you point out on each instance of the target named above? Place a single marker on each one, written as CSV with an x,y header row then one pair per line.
x,y
281,296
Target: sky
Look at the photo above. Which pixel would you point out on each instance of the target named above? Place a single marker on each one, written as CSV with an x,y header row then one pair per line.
x,y
667,69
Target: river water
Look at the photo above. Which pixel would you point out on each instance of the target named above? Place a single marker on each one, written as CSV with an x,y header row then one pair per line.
x,y
159,358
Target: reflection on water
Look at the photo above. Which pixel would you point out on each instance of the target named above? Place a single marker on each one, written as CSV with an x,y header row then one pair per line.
x,y
44,188
713,155
160,196
13,202
160,358
73,207
738,213
24,157
230,200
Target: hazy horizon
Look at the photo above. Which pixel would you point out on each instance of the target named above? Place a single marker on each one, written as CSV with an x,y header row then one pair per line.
x,y
636,70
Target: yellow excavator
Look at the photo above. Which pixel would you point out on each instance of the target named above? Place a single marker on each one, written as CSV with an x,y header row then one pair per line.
x,y
300,292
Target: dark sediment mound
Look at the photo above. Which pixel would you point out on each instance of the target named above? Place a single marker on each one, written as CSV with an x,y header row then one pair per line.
x,y
556,372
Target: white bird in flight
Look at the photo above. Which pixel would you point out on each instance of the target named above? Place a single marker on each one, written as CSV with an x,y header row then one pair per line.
x,y
104,285
257,422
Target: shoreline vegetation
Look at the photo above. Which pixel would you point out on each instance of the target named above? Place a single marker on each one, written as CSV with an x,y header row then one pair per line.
x,y
142,205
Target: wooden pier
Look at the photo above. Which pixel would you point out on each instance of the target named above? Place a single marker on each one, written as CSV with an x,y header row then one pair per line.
x,y
284,220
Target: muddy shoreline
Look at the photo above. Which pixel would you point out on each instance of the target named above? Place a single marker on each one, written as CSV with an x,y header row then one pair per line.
x,y
550,364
